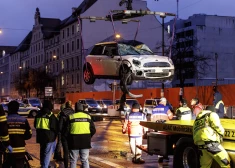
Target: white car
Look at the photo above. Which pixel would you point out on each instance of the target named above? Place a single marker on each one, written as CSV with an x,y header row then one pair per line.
x,y
109,60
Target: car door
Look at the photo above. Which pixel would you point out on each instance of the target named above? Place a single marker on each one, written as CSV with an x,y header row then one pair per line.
x,y
23,110
95,59
111,60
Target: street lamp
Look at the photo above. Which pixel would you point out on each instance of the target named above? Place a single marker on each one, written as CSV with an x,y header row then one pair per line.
x,y
0,31
54,56
117,36
1,72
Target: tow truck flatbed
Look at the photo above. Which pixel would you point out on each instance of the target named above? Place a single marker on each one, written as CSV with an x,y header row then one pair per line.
x,y
178,135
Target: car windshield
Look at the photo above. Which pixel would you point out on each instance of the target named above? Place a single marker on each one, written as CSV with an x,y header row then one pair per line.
x,y
108,102
98,101
131,102
34,101
149,102
91,101
141,49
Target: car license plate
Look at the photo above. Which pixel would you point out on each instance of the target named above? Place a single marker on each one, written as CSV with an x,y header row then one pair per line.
x,y
153,70
165,70
94,110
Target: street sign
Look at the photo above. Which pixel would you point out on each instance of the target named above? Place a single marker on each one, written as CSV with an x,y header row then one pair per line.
x,y
48,91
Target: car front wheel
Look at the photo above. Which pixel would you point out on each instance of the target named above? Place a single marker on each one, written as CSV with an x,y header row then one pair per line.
x,y
88,75
33,114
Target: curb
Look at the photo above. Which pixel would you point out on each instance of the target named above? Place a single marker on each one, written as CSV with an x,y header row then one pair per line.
x,y
103,163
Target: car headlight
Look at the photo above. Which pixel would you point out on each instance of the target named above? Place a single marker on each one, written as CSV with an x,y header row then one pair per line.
x,y
105,106
98,106
136,62
170,61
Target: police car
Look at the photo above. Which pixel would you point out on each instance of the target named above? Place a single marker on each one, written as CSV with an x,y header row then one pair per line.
x,y
24,110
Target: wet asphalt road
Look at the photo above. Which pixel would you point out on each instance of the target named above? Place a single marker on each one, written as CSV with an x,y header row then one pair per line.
x,y
109,147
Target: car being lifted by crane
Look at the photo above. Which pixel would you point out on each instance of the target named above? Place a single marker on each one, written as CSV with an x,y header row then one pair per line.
x,y
111,60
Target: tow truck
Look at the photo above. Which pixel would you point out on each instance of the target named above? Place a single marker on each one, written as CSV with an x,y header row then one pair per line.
x,y
175,137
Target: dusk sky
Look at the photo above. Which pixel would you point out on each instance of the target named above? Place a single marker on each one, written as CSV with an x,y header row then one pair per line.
x,y
17,16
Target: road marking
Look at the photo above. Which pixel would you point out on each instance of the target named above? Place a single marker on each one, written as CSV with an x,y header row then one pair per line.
x,y
106,162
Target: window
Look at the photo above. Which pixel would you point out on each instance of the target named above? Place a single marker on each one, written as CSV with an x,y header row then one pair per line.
x,y
57,67
97,50
62,64
62,80
77,61
58,52
67,47
187,24
63,49
42,45
72,79
78,27
38,46
72,45
67,79
67,63
72,62
63,34
73,29
41,58
67,32
189,33
77,43
77,78
53,67
3,53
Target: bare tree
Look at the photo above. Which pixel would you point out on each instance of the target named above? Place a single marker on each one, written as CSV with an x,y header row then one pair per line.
x,y
189,62
34,79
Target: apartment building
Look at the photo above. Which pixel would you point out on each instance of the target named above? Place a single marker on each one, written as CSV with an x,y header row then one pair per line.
x,y
212,36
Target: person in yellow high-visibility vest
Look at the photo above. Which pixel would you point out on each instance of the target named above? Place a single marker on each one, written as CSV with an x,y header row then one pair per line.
x,y
46,125
81,130
219,104
208,135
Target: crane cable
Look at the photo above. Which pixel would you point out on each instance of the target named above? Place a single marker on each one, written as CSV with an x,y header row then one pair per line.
x,y
172,38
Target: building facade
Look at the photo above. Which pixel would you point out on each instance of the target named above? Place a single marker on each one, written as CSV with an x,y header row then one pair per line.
x,y
212,36
5,71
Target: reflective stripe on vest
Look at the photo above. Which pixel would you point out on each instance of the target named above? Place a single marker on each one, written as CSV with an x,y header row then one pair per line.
x,y
18,150
16,131
4,138
3,118
43,122
79,123
217,105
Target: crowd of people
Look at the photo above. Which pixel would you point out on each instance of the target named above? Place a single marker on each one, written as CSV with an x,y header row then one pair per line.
x,y
207,129
71,130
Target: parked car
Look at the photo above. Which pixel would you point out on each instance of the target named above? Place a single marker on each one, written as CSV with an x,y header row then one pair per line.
x,y
5,107
129,102
33,101
24,110
93,106
104,103
149,104
112,59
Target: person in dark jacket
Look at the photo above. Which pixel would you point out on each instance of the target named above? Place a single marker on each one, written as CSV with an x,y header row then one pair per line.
x,y
64,130
81,131
46,125
4,136
58,153
19,131
219,104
